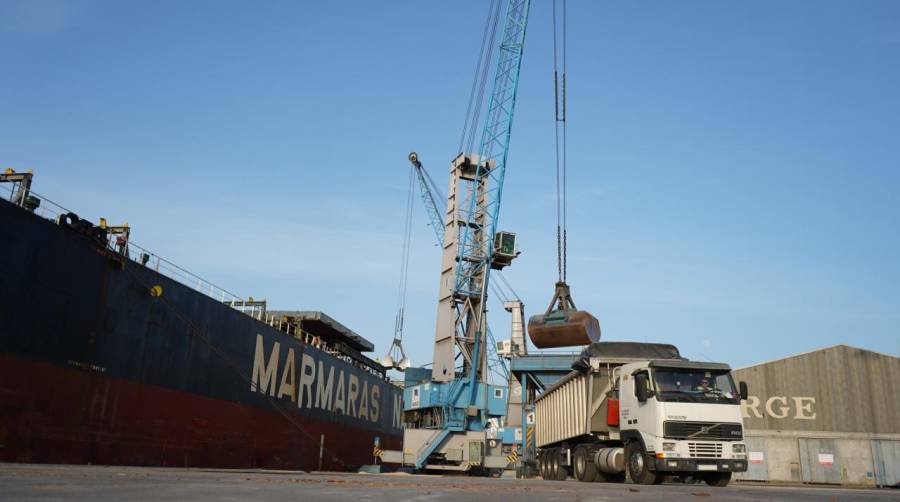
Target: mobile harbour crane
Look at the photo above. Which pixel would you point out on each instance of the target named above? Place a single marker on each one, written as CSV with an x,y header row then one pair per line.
x,y
449,418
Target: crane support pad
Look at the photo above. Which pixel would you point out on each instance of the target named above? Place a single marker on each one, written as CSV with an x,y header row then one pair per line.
x,y
557,329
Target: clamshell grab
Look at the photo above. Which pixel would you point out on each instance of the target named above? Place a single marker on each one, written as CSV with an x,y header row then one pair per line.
x,y
564,325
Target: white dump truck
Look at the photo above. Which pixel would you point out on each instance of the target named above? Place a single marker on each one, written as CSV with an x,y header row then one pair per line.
x,y
641,411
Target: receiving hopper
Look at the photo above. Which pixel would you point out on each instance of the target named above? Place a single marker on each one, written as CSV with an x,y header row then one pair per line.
x,y
564,326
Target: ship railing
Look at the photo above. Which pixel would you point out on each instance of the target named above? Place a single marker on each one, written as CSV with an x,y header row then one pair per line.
x,y
165,267
46,209
50,210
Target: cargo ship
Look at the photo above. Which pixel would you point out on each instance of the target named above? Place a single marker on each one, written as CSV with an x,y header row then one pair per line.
x,y
112,355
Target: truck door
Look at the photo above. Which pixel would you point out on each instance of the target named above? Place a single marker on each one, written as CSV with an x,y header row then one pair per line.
x,y
642,416
627,401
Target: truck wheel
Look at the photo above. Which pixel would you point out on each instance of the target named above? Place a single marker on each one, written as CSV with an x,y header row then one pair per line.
x,y
637,466
557,471
549,474
553,464
718,479
547,466
584,468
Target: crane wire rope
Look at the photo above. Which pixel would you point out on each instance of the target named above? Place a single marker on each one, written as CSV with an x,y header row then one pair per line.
x,y
404,259
559,94
479,79
508,285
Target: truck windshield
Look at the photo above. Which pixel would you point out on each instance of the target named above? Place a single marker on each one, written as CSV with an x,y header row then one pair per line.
x,y
694,385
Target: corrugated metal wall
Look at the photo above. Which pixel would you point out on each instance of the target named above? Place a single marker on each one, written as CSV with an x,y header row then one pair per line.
x,y
842,389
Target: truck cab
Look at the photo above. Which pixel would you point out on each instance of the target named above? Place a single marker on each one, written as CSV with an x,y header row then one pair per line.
x,y
679,417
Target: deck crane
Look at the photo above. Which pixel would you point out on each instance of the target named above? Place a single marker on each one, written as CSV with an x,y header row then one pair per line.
x,y
448,419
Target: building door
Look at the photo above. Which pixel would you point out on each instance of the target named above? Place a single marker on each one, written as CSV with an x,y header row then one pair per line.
x,y
819,461
757,468
886,456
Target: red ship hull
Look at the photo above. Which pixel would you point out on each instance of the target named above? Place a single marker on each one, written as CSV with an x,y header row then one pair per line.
x,y
50,414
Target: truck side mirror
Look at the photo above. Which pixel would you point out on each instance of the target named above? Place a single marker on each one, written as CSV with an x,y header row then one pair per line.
x,y
743,390
640,387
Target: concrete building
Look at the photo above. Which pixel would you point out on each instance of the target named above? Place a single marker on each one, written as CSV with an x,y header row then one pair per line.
x,y
828,416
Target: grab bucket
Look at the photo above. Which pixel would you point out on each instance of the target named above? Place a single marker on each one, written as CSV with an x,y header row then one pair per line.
x,y
564,325
563,329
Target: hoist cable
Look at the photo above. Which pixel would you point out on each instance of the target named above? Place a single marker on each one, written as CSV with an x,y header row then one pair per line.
x,y
433,188
485,71
508,285
499,292
559,95
564,149
475,78
476,92
404,259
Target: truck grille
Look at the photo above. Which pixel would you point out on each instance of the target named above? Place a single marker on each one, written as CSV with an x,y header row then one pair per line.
x,y
705,450
703,430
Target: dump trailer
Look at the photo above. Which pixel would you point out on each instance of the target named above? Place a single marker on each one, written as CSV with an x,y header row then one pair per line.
x,y
640,411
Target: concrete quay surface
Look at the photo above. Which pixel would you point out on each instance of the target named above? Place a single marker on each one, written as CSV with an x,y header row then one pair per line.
x,y
101,483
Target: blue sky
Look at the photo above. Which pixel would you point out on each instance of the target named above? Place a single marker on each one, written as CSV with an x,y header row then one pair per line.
x,y
733,167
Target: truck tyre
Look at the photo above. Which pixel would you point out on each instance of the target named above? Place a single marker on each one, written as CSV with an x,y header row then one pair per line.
x,y
636,464
556,471
719,479
542,464
584,468
553,464
548,465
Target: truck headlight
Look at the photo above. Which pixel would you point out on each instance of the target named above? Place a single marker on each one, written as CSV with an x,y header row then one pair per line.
x,y
668,446
739,448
